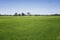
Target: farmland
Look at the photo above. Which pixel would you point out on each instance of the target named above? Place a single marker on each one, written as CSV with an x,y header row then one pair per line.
x,y
29,27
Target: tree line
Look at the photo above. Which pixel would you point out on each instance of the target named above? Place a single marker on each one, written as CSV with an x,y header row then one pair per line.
x,y
28,14
17,14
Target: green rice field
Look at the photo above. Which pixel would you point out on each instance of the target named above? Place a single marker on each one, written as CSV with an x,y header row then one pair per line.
x,y
29,27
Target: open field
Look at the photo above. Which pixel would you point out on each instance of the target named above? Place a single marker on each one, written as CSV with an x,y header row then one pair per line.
x,y
30,28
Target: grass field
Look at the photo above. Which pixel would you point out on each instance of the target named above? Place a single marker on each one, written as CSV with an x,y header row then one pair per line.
x,y
30,28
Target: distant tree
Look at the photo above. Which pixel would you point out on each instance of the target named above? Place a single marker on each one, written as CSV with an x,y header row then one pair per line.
x,y
19,14
15,14
23,14
55,15
28,13
0,14
10,15
37,15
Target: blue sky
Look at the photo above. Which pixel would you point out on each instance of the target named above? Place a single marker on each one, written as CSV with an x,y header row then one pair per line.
x,y
32,6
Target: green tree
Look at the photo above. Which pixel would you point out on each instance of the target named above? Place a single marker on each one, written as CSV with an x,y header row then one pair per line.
x,y
15,14
23,14
28,13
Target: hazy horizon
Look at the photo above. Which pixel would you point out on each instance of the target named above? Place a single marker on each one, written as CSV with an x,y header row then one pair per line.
x,y
32,6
